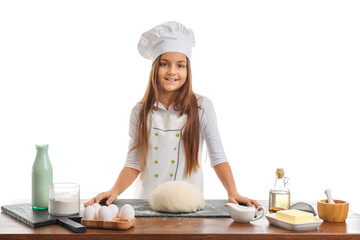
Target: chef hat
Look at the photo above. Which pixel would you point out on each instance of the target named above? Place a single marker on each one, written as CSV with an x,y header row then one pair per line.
x,y
167,37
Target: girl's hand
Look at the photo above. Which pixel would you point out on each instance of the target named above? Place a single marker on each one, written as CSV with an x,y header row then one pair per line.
x,y
109,195
237,198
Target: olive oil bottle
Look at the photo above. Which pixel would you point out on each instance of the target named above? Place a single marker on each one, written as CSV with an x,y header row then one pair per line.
x,y
279,196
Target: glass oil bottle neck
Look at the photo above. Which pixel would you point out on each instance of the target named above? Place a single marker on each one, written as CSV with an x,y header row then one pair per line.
x,y
281,182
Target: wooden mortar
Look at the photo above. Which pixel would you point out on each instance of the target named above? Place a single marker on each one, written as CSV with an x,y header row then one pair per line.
x,y
333,212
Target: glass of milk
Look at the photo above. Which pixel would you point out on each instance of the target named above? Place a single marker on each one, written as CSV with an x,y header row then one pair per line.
x,y
64,199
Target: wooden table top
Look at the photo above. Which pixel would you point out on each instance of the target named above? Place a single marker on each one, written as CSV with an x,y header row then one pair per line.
x,y
185,228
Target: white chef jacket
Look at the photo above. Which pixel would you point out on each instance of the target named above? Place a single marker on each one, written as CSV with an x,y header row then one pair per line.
x,y
171,167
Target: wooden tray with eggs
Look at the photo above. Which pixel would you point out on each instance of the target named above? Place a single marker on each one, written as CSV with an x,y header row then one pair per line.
x,y
109,217
116,223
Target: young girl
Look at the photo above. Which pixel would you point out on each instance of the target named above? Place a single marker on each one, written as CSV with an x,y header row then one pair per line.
x,y
169,125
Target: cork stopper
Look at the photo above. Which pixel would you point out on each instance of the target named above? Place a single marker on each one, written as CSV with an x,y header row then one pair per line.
x,y
279,173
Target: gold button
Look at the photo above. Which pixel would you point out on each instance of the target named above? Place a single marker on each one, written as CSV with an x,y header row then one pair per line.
x,y
156,134
174,148
156,162
172,161
177,135
156,175
156,148
171,174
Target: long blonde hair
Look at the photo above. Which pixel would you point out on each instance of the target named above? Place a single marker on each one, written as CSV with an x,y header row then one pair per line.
x,y
186,103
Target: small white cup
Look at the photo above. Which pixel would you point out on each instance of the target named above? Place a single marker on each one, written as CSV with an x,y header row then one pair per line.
x,y
244,214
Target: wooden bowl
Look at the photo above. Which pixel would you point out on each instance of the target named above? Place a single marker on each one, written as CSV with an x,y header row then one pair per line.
x,y
116,224
333,212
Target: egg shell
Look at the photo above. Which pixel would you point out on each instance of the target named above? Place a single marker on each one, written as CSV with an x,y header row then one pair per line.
x,y
89,213
97,207
105,213
114,209
127,212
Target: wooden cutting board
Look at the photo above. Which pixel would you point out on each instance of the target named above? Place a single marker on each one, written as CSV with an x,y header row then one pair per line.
x,y
39,218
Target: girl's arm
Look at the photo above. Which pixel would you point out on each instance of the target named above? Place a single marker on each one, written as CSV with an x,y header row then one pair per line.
x,y
224,173
126,177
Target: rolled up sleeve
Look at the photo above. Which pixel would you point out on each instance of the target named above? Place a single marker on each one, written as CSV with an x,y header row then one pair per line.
x,y
210,133
133,159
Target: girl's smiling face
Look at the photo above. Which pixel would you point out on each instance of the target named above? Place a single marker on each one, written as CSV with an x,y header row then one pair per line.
x,y
172,72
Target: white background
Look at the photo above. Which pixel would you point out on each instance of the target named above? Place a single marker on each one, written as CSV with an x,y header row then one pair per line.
x,y
283,77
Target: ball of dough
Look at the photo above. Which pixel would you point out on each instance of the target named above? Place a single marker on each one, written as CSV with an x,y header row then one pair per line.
x,y
176,197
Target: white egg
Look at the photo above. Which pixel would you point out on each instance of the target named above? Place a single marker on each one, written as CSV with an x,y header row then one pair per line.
x,y
105,213
97,207
114,209
127,212
89,213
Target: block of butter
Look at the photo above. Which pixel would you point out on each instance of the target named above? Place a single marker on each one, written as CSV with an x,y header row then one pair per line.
x,y
294,216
